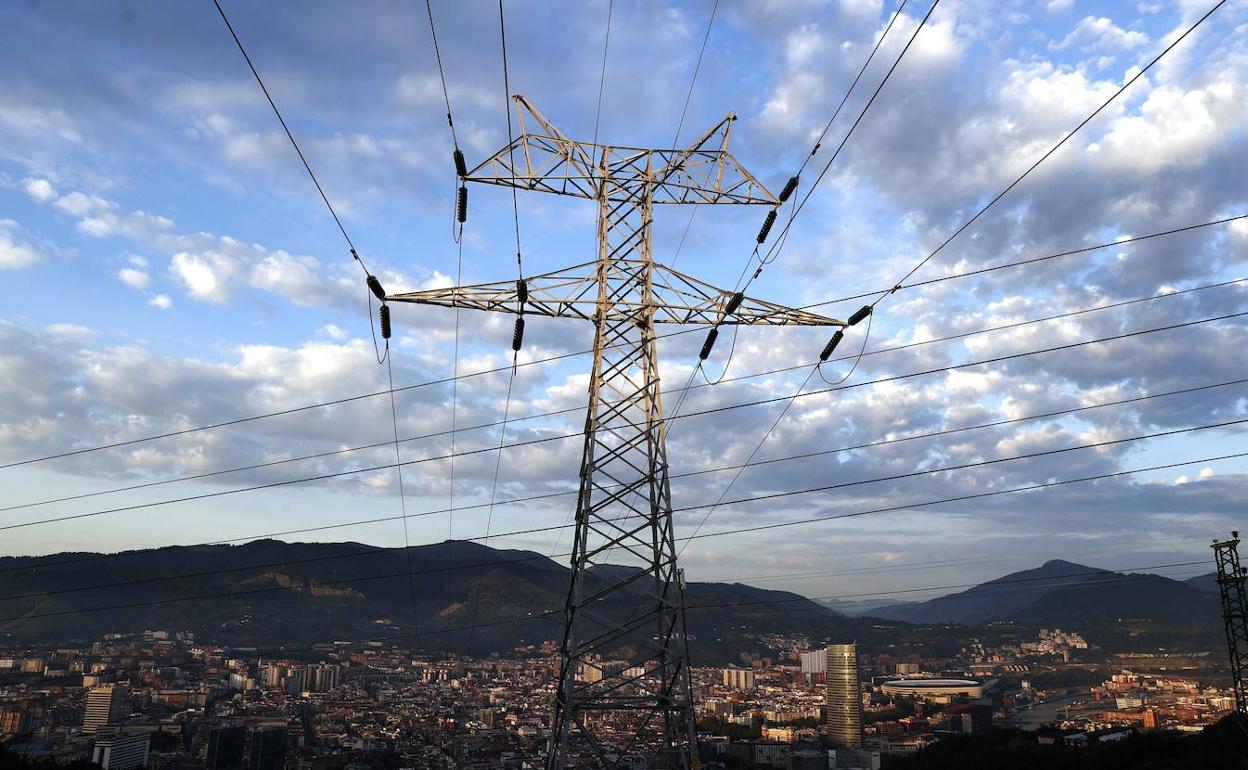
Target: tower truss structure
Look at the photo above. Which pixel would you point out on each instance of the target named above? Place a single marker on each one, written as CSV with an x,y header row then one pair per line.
x,y
624,697
1231,579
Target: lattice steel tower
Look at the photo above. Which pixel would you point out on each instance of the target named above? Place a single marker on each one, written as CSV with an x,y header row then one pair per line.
x,y
624,697
1231,578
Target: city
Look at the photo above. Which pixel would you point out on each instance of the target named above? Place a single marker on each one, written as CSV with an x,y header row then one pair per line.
x,y
179,703
623,385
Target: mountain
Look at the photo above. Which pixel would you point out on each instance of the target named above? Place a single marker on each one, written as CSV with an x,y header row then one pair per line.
x,y
1062,593
270,592
863,607
995,600
1207,582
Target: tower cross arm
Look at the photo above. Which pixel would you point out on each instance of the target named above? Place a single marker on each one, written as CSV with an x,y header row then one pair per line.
x,y
675,298
544,159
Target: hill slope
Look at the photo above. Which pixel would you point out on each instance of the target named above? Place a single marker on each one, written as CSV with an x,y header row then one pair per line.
x,y
269,592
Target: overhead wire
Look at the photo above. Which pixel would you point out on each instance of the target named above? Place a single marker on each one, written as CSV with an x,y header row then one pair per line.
x,y
564,356
740,289
778,244
1127,84
711,410
386,576
515,620
833,451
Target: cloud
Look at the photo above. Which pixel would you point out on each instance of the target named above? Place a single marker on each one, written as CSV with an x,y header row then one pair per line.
x,y
39,189
134,278
1058,6
1101,34
161,302
14,254
207,276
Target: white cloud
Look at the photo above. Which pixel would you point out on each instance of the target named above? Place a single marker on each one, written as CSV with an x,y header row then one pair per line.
x,y
82,205
15,255
135,279
334,332
73,331
161,301
1057,6
205,276
1101,34
40,189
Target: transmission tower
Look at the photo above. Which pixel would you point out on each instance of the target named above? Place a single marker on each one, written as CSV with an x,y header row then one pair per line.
x,y
624,695
1231,577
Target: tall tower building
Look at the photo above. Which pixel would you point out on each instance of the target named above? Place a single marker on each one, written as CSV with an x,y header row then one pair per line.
x,y
843,696
105,705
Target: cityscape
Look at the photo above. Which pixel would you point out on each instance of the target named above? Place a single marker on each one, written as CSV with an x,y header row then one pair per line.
x,y
165,700
623,385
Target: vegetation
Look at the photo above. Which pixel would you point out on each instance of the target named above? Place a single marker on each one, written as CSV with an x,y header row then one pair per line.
x,y
12,760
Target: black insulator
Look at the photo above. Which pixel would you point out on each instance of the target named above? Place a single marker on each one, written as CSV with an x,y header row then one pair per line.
x,y
374,286
522,291
517,335
385,321
461,210
460,168
860,314
734,303
767,223
789,187
710,343
831,346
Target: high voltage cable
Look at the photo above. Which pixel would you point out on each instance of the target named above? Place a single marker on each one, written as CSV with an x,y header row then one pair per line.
x,y
437,52
778,243
435,434
688,474
562,356
697,67
1130,81
712,410
755,498
721,605
238,42
1028,261
363,579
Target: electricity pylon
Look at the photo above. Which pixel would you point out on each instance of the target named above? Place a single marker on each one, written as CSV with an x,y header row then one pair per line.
x,y
624,695
1231,579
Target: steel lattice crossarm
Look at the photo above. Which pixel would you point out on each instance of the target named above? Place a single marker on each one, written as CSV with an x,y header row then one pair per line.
x,y
548,161
675,298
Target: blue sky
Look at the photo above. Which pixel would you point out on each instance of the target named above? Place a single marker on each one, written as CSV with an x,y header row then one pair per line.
x,y
165,262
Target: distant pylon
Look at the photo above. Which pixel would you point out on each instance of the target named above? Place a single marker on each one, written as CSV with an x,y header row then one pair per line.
x,y
1234,614
624,697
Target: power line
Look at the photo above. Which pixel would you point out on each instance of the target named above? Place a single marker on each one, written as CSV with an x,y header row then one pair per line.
x,y
363,579
291,136
755,498
1029,261
602,75
712,410
563,356
774,251
688,474
437,52
1054,148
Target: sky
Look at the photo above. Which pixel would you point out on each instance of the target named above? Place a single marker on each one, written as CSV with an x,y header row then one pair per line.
x,y
166,263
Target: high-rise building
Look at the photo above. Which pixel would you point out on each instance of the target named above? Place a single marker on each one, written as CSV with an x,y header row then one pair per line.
x,y
843,696
815,665
739,678
121,751
105,705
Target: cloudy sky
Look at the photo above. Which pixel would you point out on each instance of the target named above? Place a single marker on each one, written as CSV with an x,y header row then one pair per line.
x,y
165,263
